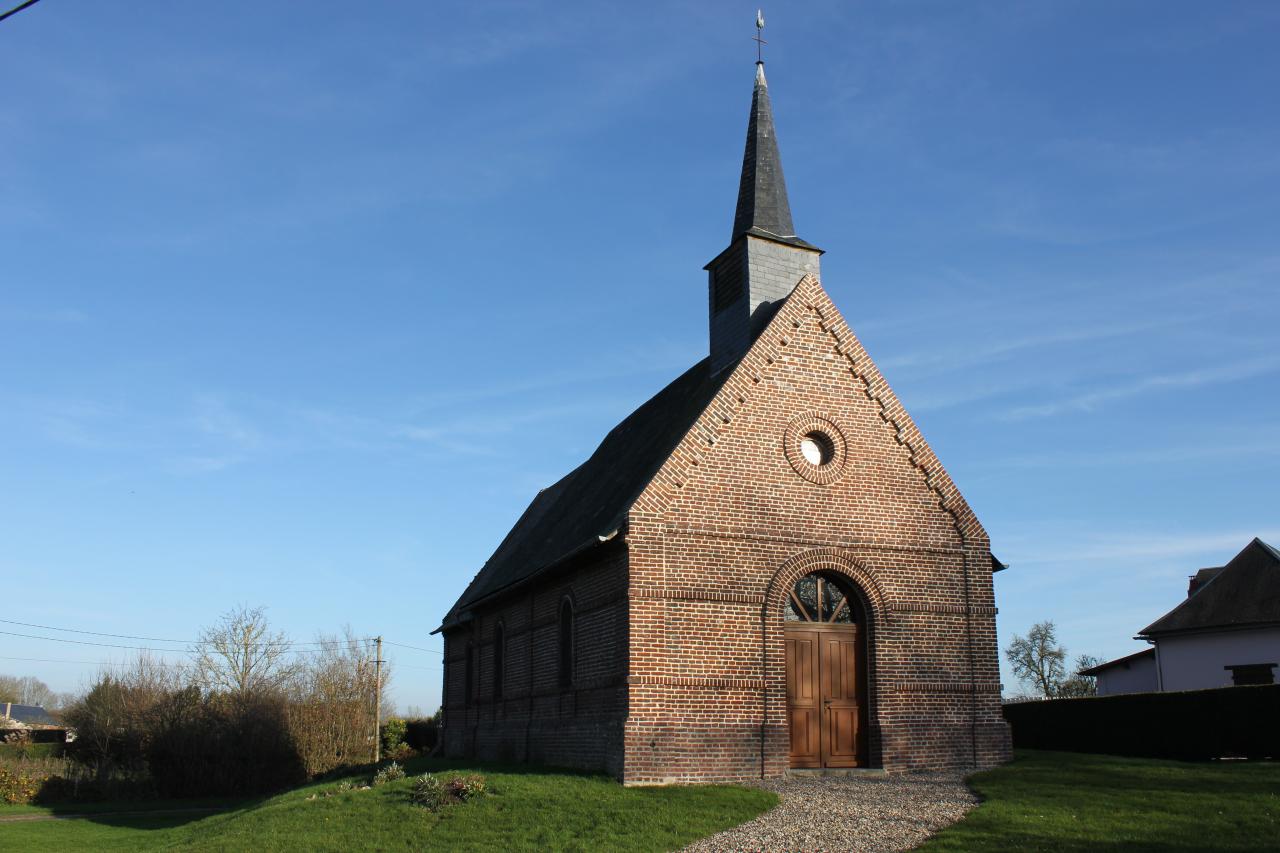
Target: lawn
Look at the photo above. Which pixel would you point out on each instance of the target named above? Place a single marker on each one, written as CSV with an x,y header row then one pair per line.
x,y
527,810
1068,801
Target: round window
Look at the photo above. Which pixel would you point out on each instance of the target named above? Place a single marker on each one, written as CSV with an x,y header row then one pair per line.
x,y
817,448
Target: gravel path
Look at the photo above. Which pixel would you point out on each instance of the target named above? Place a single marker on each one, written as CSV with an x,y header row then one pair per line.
x,y
865,813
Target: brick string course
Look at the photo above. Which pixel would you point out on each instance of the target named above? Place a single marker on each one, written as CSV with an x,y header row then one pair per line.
x,y
679,643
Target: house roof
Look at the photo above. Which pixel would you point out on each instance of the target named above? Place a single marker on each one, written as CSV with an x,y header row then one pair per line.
x,y
1124,661
590,503
29,715
1246,591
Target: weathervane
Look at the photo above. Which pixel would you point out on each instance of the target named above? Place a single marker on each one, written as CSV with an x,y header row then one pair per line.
x,y
760,42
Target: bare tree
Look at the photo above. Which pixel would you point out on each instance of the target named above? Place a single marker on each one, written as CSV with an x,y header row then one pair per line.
x,y
241,655
1078,684
331,712
1037,659
27,690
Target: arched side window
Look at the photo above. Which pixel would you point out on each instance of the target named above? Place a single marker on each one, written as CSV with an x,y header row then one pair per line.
x,y
822,598
566,644
499,656
469,675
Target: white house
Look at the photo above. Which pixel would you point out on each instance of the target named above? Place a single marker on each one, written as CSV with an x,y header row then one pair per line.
x,y
1226,632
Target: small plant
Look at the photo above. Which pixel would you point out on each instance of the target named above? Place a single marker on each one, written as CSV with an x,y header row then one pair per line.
x,y
466,787
432,792
429,792
391,773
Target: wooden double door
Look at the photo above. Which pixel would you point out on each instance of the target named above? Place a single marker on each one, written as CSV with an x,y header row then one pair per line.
x,y
826,706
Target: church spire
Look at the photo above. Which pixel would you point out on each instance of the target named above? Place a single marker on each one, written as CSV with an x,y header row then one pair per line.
x,y
765,259
762,191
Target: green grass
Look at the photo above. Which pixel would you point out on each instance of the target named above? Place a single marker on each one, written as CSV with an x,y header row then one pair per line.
x,y
1068,801
527,810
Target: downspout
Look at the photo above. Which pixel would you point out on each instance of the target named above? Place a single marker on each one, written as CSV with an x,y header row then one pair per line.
x,y
764,674
1159,667
973,676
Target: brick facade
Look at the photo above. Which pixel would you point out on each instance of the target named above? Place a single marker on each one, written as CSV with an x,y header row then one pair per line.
x,y
680,671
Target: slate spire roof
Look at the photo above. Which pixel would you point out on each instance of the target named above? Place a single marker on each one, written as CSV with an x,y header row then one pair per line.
x,y
763,208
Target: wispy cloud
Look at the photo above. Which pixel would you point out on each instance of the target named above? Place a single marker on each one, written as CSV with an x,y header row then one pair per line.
x,y
1154,544
1216,449
956,358
1092,400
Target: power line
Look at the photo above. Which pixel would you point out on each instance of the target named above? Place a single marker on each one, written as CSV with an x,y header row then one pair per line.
x,y
15,10
415,648
288,643
286,648
89,643
95,633
89,662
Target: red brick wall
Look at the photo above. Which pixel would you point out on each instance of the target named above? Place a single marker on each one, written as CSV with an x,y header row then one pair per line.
x,y
682,669
729,524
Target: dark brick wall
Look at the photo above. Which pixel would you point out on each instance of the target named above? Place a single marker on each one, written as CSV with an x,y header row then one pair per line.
x,y
536,719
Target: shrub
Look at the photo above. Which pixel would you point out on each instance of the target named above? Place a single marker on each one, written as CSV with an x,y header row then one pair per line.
x,y
403,752
429,792
220,744
391,773
393,732
422,733
17,789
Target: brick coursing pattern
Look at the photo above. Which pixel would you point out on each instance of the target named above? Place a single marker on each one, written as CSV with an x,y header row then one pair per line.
x,y
683,675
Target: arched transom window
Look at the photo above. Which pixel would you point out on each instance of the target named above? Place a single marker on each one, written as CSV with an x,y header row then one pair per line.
x,y
820,598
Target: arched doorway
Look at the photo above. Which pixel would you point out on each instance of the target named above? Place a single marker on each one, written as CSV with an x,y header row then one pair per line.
x,y
826,637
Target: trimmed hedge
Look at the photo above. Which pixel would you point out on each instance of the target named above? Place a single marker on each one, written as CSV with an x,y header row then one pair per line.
x,y
1195,725
422,733
31,750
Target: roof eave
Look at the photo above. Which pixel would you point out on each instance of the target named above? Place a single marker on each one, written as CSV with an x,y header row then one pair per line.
x,y
467,614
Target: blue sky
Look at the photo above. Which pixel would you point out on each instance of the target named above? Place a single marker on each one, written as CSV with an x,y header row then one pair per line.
x,y
300,303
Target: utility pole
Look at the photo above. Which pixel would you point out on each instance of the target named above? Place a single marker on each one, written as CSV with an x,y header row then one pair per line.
x,y
377,703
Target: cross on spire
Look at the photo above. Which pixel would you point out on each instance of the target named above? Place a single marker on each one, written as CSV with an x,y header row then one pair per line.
x,y
759,40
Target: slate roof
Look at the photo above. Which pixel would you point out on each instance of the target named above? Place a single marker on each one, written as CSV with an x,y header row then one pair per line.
x,y
1246,591
1124,661
591,501
763,208
30,715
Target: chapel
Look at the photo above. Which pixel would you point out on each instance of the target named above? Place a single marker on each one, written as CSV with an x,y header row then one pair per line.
x,y
764,568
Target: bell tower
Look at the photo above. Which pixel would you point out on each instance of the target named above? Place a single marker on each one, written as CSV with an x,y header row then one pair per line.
x,y
765,259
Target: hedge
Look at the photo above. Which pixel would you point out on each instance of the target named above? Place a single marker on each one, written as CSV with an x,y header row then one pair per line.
x,y
422,733
1195,725
31,750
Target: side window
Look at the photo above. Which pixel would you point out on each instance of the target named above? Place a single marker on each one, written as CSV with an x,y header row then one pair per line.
x,y
1252,673
499,655
566,644
470,674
